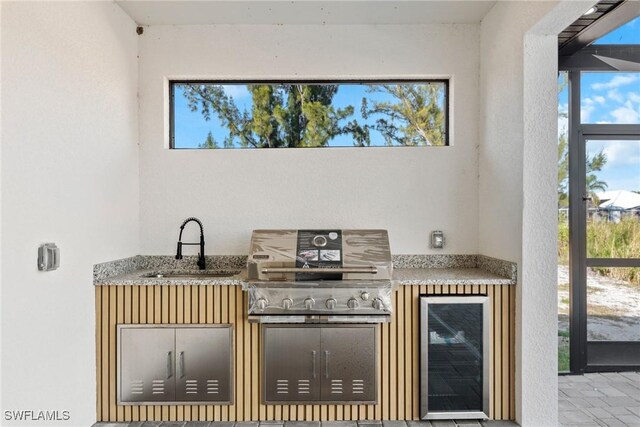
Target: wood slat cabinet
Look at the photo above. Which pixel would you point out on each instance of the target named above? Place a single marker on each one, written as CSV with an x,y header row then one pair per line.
x,y
168,364
320,364
398,358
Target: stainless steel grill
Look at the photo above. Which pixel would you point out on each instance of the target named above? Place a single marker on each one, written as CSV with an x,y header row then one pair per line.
x,y
314,276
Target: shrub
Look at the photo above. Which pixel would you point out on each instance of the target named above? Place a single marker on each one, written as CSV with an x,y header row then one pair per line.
x,y
607,240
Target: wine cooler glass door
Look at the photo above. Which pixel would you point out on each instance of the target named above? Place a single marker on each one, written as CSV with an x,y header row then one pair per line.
x,y
454,357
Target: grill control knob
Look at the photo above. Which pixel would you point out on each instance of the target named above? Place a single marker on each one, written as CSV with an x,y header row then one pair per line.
x,y
319,241
261,304
352,303
287,303
377,304
364,296
308,303
331,303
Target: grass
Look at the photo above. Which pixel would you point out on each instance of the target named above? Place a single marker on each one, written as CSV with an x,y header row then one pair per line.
x,y
607,240
604,240
563,352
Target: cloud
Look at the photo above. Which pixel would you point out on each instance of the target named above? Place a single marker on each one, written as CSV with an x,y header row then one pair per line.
x,y
615,95
615,82
599,99
634,97
619,153
586,109
627,114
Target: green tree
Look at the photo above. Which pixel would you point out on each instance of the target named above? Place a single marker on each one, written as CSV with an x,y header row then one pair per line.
x,y
210,142
563,171
414,117
593,164
282,115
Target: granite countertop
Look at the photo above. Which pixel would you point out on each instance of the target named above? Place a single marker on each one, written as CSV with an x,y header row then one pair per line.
x,y
139,277
408,270
448,276
401,276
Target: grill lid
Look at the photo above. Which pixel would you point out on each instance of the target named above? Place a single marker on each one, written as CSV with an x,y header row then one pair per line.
x,y
319,255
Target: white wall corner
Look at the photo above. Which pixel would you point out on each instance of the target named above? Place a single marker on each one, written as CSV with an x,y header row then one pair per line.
x,y
538,297
517,182
538,293
69,175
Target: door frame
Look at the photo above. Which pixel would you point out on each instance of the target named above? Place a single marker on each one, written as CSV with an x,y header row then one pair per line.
x,y
602,353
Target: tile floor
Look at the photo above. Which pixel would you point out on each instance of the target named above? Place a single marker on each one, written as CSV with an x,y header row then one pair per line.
x,y
599,399
590,400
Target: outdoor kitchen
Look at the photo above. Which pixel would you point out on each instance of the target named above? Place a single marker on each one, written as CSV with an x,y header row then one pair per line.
x,y
291,213
319,324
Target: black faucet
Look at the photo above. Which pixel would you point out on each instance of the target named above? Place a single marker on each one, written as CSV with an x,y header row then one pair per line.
x,y
201,261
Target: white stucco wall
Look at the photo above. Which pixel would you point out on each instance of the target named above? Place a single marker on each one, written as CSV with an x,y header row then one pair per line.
x,y
70,176
518,181
409,191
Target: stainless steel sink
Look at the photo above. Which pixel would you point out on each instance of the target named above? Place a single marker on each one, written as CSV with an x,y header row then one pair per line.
x,y
192,274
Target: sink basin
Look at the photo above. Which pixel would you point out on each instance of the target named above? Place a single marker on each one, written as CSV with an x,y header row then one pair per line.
x,y
192,274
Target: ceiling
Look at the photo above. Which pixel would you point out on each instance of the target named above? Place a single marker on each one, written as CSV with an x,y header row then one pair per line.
x,y
151,12
581,24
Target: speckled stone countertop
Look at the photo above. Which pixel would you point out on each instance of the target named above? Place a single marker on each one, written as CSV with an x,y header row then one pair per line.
x,y
408,270
448,276
152,277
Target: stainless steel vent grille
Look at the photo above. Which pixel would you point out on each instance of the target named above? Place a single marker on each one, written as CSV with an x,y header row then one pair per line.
x,y
357,386
191,386
304,387
157,387
282,386
136,387
213,387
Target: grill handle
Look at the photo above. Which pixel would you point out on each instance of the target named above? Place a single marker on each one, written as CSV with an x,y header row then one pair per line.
x,y
279,270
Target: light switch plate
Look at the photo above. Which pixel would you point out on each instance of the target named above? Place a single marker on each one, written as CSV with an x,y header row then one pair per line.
x,y
437,239
48,257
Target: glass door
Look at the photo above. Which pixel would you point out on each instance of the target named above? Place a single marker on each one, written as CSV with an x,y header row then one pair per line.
x,y
454,357
609,237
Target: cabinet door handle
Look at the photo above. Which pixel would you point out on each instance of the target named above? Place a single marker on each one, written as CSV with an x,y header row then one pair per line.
x,y
326,363
313,361
182,364
169,364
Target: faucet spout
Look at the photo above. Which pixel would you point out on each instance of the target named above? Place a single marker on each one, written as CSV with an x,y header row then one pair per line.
x,y
201,260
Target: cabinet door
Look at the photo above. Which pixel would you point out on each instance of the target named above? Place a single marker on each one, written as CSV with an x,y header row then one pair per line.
x,y
291,364
203,359
349,364
146,365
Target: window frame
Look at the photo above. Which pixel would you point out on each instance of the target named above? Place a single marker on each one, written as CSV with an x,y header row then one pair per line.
x,y
447,102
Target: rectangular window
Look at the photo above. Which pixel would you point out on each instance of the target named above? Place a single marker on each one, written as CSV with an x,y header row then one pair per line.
x,y
223,114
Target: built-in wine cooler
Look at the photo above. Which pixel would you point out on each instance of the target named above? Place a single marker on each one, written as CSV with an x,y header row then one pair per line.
x,y
454,353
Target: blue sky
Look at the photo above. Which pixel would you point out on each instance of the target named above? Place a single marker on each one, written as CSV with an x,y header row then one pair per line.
x,y
612,98
191,129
